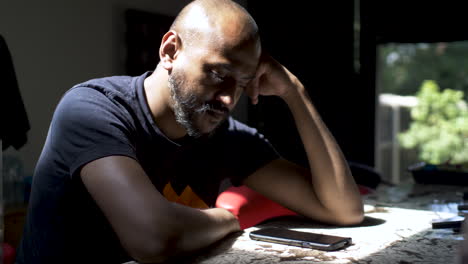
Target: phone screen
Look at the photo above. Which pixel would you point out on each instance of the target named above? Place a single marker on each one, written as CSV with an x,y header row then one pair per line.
x,y
301,239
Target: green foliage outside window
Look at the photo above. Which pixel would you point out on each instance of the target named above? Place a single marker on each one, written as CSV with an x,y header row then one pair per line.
x,y
439,127
405,66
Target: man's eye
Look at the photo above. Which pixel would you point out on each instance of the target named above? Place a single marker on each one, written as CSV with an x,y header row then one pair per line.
x,y
216,76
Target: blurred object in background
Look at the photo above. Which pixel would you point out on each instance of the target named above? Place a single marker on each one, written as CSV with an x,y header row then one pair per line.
x,y
14,119
13,181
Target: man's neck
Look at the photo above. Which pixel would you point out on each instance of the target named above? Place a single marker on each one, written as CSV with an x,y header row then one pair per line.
x,y
159,101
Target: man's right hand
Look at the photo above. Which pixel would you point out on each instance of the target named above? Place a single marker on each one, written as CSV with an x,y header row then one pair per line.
x,y
271,78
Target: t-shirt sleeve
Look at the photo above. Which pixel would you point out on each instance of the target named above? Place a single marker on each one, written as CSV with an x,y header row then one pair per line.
x,y
249,151
88,125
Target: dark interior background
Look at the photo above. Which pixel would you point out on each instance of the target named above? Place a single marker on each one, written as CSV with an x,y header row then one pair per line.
x,y
315,42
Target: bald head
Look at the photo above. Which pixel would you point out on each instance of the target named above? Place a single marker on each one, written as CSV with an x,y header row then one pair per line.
x,y
207,59
218,21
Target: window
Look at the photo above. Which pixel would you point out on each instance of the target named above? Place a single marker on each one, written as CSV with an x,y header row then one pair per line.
x,y
401,70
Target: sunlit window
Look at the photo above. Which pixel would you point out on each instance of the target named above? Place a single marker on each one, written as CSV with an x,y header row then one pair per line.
x,y
402,69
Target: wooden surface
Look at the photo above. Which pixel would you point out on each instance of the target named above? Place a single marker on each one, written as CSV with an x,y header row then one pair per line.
x,y
397,229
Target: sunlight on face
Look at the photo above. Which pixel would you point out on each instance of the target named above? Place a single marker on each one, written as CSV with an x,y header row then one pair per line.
x,y
197,116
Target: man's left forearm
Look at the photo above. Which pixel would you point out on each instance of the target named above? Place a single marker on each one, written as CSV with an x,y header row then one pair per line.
x,y
330,175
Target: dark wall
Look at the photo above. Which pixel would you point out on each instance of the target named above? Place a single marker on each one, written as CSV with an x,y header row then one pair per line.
x,y
315,41
418,21
143,34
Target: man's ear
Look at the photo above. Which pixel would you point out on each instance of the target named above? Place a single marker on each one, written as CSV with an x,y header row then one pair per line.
x,y
169,49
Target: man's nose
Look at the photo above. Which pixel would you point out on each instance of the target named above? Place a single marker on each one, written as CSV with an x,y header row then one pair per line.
x,y
228,94
226,98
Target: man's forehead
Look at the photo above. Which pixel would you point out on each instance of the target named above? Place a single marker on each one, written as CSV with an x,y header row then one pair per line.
x,y
245,69
232,58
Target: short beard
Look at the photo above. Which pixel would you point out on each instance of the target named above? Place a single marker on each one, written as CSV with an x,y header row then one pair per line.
x,y
187,106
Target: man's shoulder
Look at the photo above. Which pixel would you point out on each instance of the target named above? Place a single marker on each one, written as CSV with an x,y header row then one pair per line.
x,y
236,127
232,124
103,95
119,88
240,133
117,83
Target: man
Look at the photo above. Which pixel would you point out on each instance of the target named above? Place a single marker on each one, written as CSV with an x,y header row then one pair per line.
x,y
120,149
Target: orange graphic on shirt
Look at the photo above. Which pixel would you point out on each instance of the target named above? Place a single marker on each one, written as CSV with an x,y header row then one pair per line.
x,y
188,197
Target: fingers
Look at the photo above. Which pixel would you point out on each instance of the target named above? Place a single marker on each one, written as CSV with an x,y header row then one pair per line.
x,y
252,93
253,90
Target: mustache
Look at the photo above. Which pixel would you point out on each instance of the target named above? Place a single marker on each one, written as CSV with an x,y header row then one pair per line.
x,y
215,106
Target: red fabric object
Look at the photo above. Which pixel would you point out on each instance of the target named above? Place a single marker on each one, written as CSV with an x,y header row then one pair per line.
x,y
251,208
8,253
365,190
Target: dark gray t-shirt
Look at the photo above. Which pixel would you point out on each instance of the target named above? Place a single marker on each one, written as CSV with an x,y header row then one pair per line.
x,y
110,116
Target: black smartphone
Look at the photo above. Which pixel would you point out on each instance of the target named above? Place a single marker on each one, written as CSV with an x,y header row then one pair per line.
x,y
451,222
301,239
